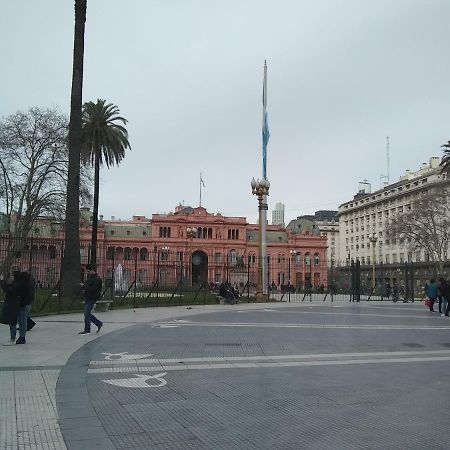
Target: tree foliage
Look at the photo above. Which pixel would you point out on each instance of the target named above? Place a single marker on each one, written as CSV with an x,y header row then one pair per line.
x,y
33,169
426,226
104,141
445,162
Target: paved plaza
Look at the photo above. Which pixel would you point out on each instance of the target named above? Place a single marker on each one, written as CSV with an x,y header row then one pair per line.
x,y
268,376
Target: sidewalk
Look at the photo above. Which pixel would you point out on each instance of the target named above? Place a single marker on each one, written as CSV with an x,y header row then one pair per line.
x,y
29,373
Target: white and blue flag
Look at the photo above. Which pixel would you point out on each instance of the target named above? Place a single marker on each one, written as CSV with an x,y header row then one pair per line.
x,y
265,123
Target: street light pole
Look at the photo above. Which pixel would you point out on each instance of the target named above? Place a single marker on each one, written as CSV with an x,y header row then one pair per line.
x,y
373,239
292,253
260,188
191,232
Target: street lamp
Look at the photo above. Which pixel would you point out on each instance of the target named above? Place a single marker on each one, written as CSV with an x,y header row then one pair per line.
x,y
260,188
373,240
292,254
164,257
191,233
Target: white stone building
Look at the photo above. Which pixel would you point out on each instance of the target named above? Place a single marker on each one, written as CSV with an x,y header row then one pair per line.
x,y
365,217
278,214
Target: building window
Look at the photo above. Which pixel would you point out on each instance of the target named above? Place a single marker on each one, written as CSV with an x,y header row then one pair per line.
x,y
111,232
233,257
110,253
307,259
128,232
143,254
52,252
127,253
217,258
316,259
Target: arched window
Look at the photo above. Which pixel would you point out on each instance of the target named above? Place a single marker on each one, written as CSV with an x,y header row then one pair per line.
x,y
229,234
316,259
209,233
127,254
307,259
233,234
110,253
52,252
298,258
199,232
143,254
205,233
168,231
237,234
233,257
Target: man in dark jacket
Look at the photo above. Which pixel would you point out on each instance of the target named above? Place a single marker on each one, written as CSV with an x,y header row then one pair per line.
x,y
92,288
11,305
26,298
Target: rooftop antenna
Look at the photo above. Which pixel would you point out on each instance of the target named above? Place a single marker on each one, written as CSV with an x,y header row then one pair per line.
x,y
386,177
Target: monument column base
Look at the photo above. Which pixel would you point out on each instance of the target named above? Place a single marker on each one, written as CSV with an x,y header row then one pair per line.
x,y
260,297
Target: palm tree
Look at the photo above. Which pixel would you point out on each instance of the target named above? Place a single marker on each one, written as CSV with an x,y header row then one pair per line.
x,y
105,140
445,163
70,271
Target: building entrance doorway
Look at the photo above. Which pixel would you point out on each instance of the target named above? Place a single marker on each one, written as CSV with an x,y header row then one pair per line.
x,y
199,267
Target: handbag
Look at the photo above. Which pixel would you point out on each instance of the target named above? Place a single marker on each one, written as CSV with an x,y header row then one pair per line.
x,y
427,302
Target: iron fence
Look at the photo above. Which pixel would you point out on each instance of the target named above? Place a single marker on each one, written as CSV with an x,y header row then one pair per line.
x,y
138,277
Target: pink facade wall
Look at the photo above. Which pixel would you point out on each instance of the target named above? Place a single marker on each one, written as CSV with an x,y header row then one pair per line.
x,y
222,241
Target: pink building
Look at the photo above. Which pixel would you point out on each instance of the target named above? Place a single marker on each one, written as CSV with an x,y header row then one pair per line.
x,y
160,249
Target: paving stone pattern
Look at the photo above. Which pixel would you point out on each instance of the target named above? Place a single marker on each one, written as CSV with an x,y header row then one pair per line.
x,y
375,388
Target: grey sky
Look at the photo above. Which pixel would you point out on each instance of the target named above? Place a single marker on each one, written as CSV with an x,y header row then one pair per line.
x,y
342,75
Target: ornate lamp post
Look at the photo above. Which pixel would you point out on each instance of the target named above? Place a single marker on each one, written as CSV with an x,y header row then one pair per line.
x,y
191,233
165,257
260,189
292,254
373,240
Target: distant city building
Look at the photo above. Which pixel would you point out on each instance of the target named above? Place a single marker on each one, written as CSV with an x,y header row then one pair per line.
x,y
278,214
369,212
324,223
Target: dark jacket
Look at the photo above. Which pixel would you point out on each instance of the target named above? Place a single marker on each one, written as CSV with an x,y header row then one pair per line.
x,y
11,305
26,289
92,289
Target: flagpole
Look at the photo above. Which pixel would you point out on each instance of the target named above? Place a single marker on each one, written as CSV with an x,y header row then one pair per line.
x,y
200,203
263,225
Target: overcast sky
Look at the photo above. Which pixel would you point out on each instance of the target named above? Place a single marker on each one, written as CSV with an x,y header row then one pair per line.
x,y
187,74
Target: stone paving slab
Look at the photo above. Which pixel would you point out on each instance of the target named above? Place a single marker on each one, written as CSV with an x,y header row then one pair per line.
x,y
237,405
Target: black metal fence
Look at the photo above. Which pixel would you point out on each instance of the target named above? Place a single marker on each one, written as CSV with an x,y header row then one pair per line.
x,y
140,277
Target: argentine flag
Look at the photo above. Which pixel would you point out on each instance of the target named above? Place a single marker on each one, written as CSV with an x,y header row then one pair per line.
x,y
265,123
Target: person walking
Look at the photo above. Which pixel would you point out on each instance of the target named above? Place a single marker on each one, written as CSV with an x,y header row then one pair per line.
x,y
26,298
442,301
11,305
431,291
92,288
445,292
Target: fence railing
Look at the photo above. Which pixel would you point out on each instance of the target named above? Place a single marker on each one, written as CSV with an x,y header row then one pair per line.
x,y
139,277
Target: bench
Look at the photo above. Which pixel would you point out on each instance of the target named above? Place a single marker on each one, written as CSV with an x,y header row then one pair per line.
x,y
102,305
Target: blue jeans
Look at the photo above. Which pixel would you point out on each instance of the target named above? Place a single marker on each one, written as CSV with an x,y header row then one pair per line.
x,y
22,320
13,331
88,317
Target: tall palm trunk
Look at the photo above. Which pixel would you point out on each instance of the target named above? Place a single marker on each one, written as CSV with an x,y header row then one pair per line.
x,y
93,259
70,270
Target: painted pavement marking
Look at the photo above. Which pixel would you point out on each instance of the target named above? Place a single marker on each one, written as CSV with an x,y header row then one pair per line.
x,y
125,356
163,361
307,325
140,381
344,313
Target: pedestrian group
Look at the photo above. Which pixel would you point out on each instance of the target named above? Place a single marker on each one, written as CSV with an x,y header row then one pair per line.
x,y
19,293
